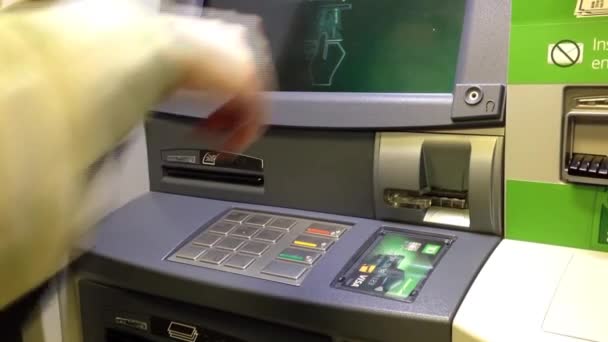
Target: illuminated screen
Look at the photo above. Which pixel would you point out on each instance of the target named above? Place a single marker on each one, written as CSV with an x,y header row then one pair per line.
x,y
395,266
385,46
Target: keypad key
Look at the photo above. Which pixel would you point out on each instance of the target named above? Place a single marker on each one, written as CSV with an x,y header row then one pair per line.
x,y
190,252
214,256
325,230
230,243
313,242
222,228
269,235
236,216
603,170
307,257
245,231
595,164
286,270
575,162
282,223
207,239
259,220
585,163
254,247
239,261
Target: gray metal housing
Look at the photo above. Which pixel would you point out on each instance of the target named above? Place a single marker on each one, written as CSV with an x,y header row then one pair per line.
x,y
132,243
320,159
317,170
339,172
572,116
482,63
400,164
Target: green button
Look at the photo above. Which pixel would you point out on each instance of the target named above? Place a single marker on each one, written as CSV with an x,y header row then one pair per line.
x,y
307,257
291,257
431,249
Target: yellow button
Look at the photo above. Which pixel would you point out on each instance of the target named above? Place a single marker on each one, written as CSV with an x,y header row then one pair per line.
x,y
305,244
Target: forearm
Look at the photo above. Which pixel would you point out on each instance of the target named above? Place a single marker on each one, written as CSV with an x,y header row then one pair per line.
x,y
74,80
59,113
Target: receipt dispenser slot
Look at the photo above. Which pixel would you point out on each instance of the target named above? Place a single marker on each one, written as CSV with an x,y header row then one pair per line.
x,y
585,140
440,179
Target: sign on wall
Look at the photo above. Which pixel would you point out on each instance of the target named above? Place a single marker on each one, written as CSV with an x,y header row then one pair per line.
x,y
559,42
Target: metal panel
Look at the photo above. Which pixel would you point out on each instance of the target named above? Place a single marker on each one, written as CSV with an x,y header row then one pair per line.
x,y
305,169
126,312
132,243
399,166
482,60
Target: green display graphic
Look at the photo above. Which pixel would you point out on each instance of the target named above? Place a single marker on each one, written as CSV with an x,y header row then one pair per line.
x,y
558,42
373,46
395,266
379,46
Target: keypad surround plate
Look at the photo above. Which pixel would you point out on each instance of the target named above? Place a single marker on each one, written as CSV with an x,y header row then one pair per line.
x,y
257,267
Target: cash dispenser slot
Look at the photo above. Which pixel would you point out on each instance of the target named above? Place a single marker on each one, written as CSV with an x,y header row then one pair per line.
x,y
440,179
213,166
585,140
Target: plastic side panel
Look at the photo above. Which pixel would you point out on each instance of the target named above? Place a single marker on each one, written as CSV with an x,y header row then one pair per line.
x,y
312,170
157,223
510,298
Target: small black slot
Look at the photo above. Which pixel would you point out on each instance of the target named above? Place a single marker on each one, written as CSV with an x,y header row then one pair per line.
x,y
113,335
588,165
213,176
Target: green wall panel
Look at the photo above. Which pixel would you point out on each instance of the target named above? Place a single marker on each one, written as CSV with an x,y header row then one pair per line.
x,y
540,24
557,214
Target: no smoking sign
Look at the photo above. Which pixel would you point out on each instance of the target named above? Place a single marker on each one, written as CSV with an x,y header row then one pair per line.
x,y
565,53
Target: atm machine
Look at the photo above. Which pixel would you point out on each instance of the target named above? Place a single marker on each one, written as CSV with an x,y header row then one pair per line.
x,y
364,213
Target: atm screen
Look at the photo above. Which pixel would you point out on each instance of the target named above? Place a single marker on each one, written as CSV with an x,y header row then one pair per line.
x,y
378,46
395,265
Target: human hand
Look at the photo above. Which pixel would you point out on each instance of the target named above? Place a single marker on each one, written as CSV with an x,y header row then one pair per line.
x,y
225,67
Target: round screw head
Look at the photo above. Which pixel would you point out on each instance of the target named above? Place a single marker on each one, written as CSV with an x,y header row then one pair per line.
x,y
473,96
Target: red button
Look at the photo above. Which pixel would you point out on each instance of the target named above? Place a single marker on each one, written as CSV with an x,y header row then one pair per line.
x,y
325,230
318,231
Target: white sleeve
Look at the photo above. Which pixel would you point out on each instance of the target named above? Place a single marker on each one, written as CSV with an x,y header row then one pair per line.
x,y
74,80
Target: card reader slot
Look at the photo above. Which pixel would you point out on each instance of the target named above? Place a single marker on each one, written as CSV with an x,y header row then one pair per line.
x,y
213,176
448,180
584,156
588,165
